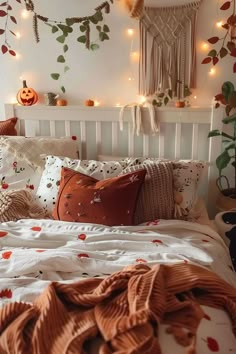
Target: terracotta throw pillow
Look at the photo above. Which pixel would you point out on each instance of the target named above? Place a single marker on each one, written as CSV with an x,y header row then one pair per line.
x,y
111,202
7,127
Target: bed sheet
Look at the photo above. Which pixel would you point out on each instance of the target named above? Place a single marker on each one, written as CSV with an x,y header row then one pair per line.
x,y
36,252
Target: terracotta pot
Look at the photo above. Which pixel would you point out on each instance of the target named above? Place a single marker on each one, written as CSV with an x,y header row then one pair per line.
x,y
179,104
226,200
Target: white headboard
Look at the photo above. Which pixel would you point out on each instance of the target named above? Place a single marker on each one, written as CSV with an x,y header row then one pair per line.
x,y
183,133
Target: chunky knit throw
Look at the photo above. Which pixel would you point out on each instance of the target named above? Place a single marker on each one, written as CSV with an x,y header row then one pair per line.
x,y
19,204
124,308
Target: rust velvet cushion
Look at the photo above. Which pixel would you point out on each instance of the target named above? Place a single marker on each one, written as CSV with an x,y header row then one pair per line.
x,y
111,201
7,127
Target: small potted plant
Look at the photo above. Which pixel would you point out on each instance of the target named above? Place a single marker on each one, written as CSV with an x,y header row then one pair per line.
x,y
162,97
227,98
181,102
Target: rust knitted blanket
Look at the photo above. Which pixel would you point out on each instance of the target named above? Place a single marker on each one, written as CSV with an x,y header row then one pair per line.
x,y
125,308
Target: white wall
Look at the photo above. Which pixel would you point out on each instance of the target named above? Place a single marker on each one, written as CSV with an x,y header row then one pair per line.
x,y
101,75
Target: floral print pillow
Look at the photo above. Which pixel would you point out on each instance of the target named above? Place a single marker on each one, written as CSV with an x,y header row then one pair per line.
x,y
18,171
50,181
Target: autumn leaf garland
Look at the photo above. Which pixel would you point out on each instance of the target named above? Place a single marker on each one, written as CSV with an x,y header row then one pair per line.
x,y
61,29
228,46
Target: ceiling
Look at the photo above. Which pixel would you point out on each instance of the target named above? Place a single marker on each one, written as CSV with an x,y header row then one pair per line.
x,y
166,2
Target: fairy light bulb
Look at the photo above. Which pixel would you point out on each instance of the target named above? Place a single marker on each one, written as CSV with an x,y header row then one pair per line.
x,y
134,56
25,14
195,97
142,99
212,71
219,24
205,46
118,104
130,32
97,103
18,35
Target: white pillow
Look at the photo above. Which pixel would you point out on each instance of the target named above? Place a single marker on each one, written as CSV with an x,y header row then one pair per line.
x,y
50,180
20,163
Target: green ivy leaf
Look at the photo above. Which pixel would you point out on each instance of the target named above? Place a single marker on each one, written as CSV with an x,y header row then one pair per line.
x,y
81,39
65,48
94,46
98,15
61,39
214,132
99,28
223,160
229,119
55,76
170,93
63,89
66,68
223,52
83,28
233,163
103,36
106,29
61,59
94,19
212,53
70,21
54,29
166,100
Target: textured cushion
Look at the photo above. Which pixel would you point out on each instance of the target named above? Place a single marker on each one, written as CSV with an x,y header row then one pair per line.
x,y
156,198
50,181
7,127
112,201
187,174
20,162
18,204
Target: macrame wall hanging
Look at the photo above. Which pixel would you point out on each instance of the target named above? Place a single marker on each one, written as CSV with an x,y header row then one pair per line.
x,y
168,49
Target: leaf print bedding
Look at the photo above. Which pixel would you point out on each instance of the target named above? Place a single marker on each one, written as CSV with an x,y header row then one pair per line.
x,y
35,252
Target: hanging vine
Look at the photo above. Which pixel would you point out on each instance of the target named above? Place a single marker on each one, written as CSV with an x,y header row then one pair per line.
x,y
62,29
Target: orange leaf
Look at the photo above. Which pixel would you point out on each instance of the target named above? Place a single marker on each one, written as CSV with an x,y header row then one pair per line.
x,y
215,60
3,233
4,49
6,293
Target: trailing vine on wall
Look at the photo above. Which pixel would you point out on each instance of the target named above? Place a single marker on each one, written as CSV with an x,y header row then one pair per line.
x,y
226,45
61,29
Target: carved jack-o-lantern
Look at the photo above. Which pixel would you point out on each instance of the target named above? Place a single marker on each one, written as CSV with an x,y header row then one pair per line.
x,y
26,96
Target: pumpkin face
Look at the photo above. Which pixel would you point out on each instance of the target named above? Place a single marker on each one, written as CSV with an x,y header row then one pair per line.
x,y
27,96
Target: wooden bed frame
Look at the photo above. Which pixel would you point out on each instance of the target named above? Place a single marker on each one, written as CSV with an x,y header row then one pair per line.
x,y
183,133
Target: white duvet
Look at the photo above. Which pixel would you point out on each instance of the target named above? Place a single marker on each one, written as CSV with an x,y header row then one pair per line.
x,y
35,252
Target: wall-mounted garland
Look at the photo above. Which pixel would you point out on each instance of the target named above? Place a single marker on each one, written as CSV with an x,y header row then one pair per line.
x,y
227,43
62,29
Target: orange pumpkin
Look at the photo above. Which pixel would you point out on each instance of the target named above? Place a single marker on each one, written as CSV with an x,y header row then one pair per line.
x,y
89,103
26,96
61,102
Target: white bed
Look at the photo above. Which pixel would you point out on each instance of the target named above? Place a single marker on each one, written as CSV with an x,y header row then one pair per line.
x,y
36,252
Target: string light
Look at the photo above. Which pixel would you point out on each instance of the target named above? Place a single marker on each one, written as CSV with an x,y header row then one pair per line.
x,y
195,97
134,56
97,103
130,32
18,35
25,14
219,24
212,71
205,46
142,99
118,104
